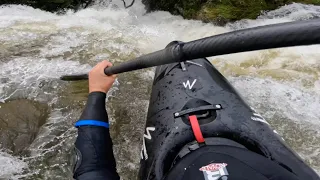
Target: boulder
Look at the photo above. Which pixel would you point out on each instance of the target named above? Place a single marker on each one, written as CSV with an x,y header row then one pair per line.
x,y
20,121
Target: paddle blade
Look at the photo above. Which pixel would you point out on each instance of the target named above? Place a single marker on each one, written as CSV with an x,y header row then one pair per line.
x,y
74,77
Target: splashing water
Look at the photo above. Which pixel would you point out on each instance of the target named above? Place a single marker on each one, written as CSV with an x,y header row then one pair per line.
x,y
37,47
10,165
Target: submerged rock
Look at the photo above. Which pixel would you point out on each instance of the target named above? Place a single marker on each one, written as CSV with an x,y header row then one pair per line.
x,y
20,121
219,12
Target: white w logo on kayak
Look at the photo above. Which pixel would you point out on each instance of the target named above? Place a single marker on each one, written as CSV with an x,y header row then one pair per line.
x,y
187,84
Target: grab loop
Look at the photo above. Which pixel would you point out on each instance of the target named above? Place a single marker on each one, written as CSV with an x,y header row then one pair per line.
x,y
196,129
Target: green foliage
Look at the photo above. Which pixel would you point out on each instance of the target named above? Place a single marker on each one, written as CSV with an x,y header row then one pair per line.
x,y
186,8
190,8
220,11
231,10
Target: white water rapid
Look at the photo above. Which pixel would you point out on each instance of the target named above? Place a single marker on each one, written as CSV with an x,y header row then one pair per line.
x,y
36,47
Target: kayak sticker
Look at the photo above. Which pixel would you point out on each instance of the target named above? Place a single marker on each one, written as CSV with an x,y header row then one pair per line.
x,y
257,117
188,85
144,153
215,171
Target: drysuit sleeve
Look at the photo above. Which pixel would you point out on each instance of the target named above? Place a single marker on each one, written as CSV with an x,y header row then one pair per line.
x,y
93,147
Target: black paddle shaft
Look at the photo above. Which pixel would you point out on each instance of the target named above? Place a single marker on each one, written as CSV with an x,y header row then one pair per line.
x,y
264,37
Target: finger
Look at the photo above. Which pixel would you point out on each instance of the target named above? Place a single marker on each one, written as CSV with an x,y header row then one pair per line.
x,y
106,63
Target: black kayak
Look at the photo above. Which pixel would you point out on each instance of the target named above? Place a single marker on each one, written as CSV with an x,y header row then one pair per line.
x,y
197,89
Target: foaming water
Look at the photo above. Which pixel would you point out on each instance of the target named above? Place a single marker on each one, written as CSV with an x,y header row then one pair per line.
x,y
290,109
10,165
37,47
26,77
287,13
293,11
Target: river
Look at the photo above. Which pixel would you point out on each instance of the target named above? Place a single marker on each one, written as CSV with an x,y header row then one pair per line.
x,y
36,47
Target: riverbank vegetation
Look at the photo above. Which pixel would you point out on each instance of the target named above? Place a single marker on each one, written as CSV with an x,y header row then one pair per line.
x,y
219,12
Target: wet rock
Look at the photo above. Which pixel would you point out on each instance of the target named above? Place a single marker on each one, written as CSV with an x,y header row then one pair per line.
x,y
73,96
20,121
127,111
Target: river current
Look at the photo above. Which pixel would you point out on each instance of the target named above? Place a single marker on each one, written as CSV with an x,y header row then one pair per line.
x,y
37,47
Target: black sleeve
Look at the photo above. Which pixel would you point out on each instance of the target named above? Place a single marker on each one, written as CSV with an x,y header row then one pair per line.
x,y
95,159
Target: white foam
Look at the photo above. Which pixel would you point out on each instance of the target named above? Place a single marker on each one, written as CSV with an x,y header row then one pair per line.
x,y
294,11
10,165
296,103
10,14
68,43
22,77
287,13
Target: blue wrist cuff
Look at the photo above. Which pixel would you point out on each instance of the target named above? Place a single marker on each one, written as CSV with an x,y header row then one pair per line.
x,y
91,123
